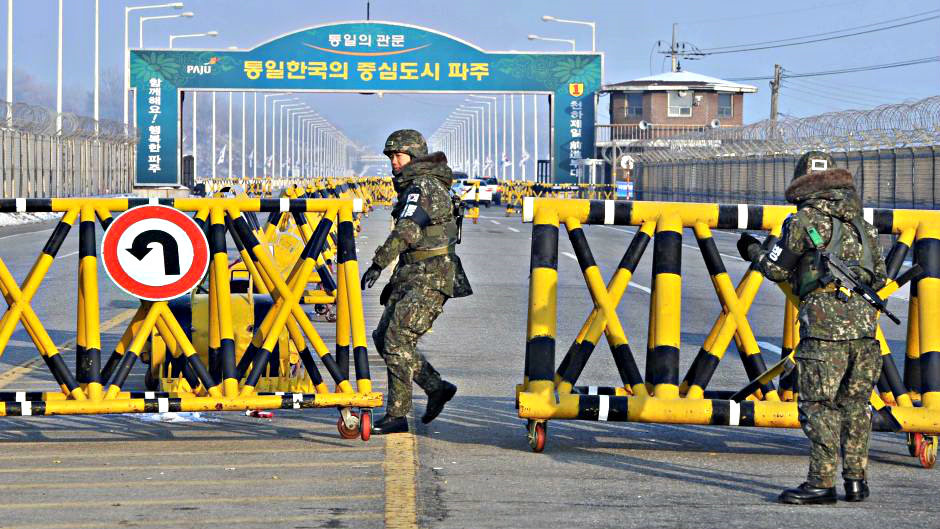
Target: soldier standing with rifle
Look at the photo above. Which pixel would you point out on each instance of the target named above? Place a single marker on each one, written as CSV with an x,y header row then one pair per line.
x,y
427,275
838,358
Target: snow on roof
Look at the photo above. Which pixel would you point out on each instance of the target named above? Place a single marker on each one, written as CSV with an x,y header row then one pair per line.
x,y
654,82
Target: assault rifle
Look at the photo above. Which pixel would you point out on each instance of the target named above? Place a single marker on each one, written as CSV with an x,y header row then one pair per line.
x,y
843,277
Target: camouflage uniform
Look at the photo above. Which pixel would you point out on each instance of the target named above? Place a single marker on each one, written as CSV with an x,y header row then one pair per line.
x,y
428,271
838,359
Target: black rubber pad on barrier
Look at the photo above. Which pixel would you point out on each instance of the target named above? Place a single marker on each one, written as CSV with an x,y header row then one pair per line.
x,y
631,258
722,413
622,213
544,247
596,209
727,216
581,249
86,239
895,259
930,371
713,262
346,246
883,220
57,238
667,253
361,358
626,365
33,205
927,255
541,358
589,408
662,365
704,368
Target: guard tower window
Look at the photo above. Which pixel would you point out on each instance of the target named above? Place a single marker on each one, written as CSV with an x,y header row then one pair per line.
x,y
680,103
725,109
634,105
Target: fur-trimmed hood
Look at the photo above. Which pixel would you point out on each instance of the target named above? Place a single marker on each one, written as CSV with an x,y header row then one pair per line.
x,y
832,192
433,165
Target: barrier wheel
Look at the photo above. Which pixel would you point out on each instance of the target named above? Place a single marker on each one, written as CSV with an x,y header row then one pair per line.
x,y
345,432
365,424
928,453
918,444
537,435
912,444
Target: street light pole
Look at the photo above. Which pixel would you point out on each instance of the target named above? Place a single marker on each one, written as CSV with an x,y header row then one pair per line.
x,y
593,25
127,51
141,20
212,157
195,135
552,39
58,75
10,57
192,36
494,140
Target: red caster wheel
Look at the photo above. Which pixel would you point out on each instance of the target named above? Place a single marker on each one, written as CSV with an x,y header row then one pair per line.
x,y
928,452
365,424
912,442
345,432
537,435
918,440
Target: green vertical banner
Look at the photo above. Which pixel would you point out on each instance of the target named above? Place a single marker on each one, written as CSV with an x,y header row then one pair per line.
x,y
361,57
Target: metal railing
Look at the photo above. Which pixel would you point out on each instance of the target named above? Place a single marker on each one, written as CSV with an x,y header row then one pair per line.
x,y
45,154
627,133
892,151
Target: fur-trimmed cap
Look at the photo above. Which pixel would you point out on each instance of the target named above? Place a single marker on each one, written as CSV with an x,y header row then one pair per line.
x,y
802,187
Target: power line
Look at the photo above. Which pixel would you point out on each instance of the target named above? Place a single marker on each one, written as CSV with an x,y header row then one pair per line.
x,y
860,90
705,52
825,33
898,64
832,97
763,15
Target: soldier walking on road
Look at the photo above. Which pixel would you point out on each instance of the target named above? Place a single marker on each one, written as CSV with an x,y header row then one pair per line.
x,y
427,275
838,359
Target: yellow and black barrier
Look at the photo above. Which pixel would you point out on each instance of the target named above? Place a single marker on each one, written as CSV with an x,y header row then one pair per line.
x,y
234,380
659,396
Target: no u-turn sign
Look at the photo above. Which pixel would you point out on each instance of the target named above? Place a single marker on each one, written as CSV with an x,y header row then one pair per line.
x,y
155,253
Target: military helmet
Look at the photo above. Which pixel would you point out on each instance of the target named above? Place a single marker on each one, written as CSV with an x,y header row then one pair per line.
x,y
813,161
408,141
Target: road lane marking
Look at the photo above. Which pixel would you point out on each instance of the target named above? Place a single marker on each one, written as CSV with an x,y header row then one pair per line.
x,y
67,254
770,347
243,500
190,466
266,521
162,454
641,287
494,221
514,230
100,486
17,371
401,465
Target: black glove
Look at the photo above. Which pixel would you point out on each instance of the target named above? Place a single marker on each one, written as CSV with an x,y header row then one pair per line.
x,y
748,246
370,277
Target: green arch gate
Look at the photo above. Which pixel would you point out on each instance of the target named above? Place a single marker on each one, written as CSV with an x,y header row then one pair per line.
x,y
363,56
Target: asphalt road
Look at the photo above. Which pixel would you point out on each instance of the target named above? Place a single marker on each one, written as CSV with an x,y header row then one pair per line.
x,y
474,468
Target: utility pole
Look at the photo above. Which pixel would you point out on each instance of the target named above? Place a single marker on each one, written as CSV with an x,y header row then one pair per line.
x,y
673,50
775,92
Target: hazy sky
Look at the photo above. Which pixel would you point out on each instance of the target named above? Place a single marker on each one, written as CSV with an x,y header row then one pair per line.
x,y
626,33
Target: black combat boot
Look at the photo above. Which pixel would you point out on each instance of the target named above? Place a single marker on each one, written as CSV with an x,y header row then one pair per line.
x,y
390,424
807,494
856,490
437,400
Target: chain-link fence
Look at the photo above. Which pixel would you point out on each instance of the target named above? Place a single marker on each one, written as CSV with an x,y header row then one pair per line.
x,y
45,154
892,150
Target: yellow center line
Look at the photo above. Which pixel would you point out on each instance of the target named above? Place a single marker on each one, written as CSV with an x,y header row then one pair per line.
x,y
19,370
209,466
240,500
163,454
213,522
174,484
401,464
